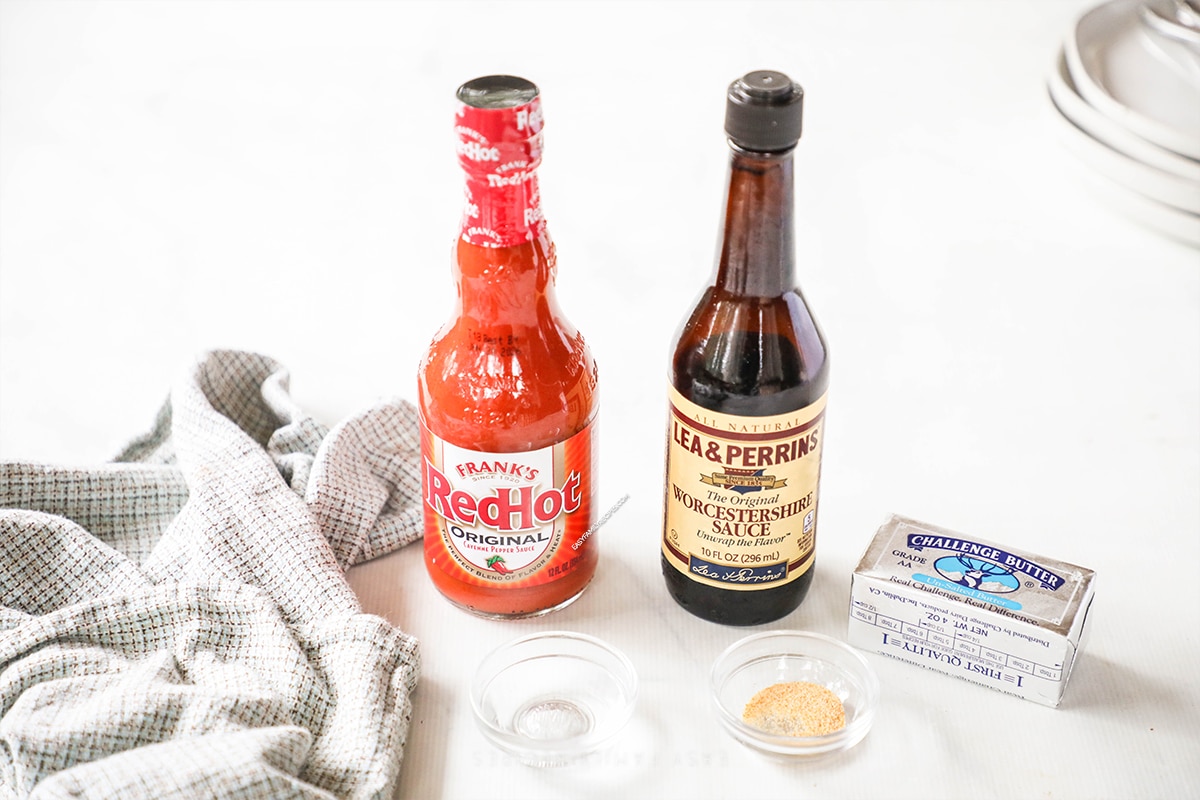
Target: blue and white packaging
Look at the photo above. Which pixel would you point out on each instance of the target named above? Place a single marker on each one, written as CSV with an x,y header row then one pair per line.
x,y
981,611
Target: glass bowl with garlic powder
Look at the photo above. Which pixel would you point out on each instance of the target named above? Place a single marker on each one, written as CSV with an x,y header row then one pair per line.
x,y
794,693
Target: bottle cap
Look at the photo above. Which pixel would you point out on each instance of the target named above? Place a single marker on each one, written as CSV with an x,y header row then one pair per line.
x,y
499,124
764,111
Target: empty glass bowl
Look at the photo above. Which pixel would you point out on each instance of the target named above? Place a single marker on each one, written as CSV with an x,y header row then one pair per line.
x,y
550,698
765,659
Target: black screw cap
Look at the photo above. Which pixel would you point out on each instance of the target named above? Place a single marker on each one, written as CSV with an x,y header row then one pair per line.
x,y
764,112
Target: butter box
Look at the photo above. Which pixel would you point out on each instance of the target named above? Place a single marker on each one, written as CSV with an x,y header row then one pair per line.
x,y
985,612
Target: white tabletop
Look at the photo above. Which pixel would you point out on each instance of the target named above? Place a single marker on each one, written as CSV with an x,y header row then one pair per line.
x,y
1012,358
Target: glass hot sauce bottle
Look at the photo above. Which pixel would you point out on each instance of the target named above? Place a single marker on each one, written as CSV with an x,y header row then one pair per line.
x,y
507,391
748,379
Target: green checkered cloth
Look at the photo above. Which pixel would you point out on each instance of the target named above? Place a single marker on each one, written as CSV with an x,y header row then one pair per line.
x,y
177,624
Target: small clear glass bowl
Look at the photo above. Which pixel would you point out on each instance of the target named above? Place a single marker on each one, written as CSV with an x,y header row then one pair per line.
x,y
551,698
764,659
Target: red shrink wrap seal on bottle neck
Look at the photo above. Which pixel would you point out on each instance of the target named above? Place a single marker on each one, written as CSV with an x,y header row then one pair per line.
x,y
499,132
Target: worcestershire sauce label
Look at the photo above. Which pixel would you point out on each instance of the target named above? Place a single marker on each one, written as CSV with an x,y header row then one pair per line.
x,y
741,507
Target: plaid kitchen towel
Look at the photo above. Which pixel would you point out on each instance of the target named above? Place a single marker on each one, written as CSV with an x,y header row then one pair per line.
x,y
177,624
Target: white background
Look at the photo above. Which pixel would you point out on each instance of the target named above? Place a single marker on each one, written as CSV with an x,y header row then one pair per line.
x,y
1012,359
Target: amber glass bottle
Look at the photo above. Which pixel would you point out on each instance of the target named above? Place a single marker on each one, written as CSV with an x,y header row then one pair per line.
x,y
507,390
748,376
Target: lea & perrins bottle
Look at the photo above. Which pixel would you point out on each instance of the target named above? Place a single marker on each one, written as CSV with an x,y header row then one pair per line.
x,y
749,373
508,389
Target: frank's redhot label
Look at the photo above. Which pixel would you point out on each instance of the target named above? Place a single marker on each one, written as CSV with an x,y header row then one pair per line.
x,y
506,519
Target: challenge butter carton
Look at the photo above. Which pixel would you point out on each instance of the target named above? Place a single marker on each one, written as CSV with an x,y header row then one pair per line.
x,y
985,612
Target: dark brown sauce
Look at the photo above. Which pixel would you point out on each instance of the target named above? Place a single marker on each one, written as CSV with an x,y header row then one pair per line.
x,y
750,348
747,372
